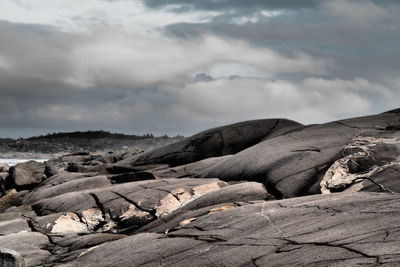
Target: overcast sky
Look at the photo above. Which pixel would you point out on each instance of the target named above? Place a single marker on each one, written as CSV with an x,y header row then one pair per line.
x,y
181,66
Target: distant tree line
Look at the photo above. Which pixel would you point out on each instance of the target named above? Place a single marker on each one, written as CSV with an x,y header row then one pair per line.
x,y
92,135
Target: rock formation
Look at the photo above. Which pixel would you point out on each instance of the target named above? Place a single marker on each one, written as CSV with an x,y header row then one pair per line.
x,y
257,193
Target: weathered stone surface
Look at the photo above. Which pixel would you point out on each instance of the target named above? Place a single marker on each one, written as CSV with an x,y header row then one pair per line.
x,y
335,230
65,177
10,258
294,164
161,214
100,169
53,167
69,247
26,245
385,180
69,186
233,193
130,205
15,225
215,142
27,174
184,216
121,169
189,170
12,198
366,159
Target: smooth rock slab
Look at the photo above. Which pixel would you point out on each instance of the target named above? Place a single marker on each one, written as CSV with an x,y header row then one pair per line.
x,y
294,164
70,186
216,142
27,245
333,230
15,225
240,192
189,170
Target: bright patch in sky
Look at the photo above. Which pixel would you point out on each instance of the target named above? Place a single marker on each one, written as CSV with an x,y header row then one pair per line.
x,y
78,15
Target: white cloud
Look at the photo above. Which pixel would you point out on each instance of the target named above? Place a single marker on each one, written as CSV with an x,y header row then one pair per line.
x,y
312,100
78,15
139,60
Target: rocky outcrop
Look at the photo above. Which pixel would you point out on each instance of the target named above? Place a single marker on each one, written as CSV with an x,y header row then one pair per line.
x,y
258,193
336,230
4,168
295,163
367,164
120,207
27,175
215,142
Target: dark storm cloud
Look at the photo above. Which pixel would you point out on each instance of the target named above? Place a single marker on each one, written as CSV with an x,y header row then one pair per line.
x,y
362,43
311,61
244,7
52,80
234,4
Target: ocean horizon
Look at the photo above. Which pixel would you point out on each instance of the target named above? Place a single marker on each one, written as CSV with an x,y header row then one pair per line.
x,y
15,161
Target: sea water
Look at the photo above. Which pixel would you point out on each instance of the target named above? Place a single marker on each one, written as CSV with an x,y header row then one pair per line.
x,y
12,162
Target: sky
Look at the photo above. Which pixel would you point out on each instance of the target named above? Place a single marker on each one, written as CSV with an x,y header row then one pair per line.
x,y
183,66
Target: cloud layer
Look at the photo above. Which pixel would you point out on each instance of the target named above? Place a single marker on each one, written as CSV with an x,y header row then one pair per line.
x,y
312,61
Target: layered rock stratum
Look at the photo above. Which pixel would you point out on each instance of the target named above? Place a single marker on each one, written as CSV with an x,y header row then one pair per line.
x,y
257,193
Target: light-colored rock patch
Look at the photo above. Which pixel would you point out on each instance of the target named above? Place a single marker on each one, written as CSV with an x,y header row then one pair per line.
x,y
339,176
179,197
92,218
133,212
68,224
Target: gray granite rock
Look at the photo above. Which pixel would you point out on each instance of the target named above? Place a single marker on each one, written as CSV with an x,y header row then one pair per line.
x,y
27,174
295,163
215,142
335,230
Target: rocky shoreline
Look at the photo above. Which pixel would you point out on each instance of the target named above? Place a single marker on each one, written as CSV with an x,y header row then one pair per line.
x,y
257,193
57,144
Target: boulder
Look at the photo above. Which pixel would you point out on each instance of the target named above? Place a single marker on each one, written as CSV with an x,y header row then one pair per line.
x,y
215,142
4,167
3,179
295,163
24,248
52,167
27,175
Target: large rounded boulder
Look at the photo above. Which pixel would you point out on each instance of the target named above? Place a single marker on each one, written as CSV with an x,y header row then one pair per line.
x,y
295,163
215,142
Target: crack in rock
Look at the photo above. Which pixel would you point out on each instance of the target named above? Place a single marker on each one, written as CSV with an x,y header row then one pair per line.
x,y
327,244
341,174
